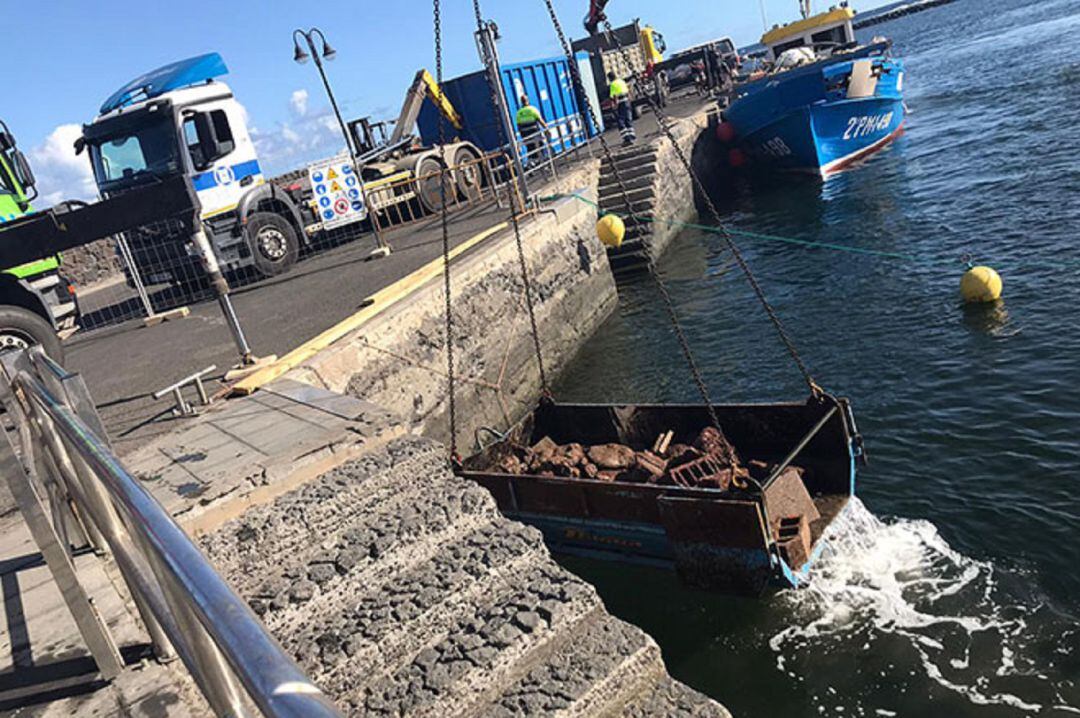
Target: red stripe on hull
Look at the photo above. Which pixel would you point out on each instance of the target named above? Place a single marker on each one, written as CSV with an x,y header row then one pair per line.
x,y
841,164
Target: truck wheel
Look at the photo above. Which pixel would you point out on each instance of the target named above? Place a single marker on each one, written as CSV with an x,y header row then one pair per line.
x,y
21,328
272,242
429,188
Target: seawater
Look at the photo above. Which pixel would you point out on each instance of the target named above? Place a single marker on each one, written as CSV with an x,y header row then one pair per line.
x,y
952,585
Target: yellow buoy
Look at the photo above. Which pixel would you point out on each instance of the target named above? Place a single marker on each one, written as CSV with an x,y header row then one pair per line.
x,y
980,284
611,230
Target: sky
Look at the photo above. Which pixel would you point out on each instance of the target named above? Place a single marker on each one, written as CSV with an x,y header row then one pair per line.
x,y
71,54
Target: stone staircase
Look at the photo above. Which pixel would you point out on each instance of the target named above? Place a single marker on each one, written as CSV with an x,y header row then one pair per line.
x,y
402,591
637,168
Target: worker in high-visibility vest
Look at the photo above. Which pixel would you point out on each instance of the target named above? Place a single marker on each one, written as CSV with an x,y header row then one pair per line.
x,y
530,123
624,108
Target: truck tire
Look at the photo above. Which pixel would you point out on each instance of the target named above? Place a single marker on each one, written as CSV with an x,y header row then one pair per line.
x,y
273,243
429,188
20,328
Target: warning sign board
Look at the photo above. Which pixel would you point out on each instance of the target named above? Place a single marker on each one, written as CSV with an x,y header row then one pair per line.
x,y
336,193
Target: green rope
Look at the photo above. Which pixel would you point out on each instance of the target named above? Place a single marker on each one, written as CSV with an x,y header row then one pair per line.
x,y
742,233
1049,265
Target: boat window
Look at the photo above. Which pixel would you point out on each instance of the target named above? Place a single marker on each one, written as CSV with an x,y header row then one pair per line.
x,y
835,34
780,49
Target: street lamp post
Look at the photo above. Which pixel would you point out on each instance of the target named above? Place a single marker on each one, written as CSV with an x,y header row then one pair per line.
x,y
328,53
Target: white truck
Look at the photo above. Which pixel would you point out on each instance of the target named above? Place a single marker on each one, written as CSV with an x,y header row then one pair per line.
x,y
180,119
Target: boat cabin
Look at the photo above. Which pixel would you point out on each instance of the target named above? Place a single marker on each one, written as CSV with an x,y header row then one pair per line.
x,y
831,29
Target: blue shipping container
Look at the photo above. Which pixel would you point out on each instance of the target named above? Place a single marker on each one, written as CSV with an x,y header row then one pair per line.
x,y
549,86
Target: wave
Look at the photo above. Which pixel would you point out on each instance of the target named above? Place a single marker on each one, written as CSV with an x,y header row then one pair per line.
x,y
958,628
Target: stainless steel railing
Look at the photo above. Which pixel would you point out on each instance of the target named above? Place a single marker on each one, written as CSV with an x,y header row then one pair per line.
x,y
188,608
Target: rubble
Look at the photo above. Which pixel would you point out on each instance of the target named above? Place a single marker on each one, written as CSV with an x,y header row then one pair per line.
x,y
709,461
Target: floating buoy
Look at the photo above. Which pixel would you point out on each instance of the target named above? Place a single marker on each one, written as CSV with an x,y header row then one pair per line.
x,y
725,131
980,284
611,230
736,158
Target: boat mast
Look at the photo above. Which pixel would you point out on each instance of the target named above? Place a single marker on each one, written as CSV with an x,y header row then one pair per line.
x,y
764,17
804,7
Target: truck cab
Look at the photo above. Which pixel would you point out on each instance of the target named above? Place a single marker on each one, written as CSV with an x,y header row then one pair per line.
x,y
36,301
179,119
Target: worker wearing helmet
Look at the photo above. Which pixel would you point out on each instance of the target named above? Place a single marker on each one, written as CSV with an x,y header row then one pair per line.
x,y
530,123
624,109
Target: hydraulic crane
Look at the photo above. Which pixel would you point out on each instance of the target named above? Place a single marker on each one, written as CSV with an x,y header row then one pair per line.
x,y
596,15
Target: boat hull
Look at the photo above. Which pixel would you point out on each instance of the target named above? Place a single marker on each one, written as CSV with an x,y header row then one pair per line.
x,y
828,138
822,117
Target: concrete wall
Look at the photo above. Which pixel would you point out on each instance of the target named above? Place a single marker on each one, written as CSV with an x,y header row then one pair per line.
x,y
672,185
398,361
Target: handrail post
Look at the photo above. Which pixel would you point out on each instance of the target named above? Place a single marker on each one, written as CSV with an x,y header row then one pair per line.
x,y
211,671
185,603
90,623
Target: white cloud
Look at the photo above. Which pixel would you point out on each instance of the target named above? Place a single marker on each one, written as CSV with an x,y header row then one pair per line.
x,y
61,174
310,135
298,102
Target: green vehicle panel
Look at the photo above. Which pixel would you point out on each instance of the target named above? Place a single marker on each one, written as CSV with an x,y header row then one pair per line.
x,y
14,204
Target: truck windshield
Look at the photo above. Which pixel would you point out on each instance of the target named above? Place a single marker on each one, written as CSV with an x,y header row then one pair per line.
x,y
134,152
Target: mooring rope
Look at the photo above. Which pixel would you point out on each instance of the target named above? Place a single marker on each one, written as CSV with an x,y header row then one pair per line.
x,y
964,259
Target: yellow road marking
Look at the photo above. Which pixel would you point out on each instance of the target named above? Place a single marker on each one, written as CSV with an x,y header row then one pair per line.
x,y
382,300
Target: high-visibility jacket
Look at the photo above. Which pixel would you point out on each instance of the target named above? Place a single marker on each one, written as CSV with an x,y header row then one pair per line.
x,y
527,117
619,89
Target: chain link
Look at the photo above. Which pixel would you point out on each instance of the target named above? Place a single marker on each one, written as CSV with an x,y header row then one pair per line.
x,y
510,194
444,217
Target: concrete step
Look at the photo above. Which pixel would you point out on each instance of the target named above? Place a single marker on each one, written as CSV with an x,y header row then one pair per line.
x,y
628,172
614,195
639,150
401,590
628,262
632,180
643,206
637,230
668,697
632,246
635,166
602,667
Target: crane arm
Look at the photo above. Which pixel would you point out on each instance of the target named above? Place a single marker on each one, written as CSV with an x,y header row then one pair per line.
x,y
596,15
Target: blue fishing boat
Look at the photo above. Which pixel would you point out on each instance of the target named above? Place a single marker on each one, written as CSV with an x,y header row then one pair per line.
x,y
824,102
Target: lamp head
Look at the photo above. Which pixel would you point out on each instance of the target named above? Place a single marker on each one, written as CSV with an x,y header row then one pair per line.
x,y
299,55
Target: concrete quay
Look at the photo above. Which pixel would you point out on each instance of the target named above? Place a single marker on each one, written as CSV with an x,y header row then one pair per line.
x,y
322,491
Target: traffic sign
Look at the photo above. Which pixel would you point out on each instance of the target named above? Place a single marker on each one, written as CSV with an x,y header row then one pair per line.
x,y
340,201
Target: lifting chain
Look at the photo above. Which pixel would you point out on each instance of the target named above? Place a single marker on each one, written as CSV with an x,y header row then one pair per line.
x,y
669,304
665,127
510,195
454,457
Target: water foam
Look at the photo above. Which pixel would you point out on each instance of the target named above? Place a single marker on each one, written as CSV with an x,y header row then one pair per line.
x,y
880,581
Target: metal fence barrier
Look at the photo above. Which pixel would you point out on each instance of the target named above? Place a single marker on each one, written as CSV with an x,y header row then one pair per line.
x,y
398,201
74,492
561,139
157,272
